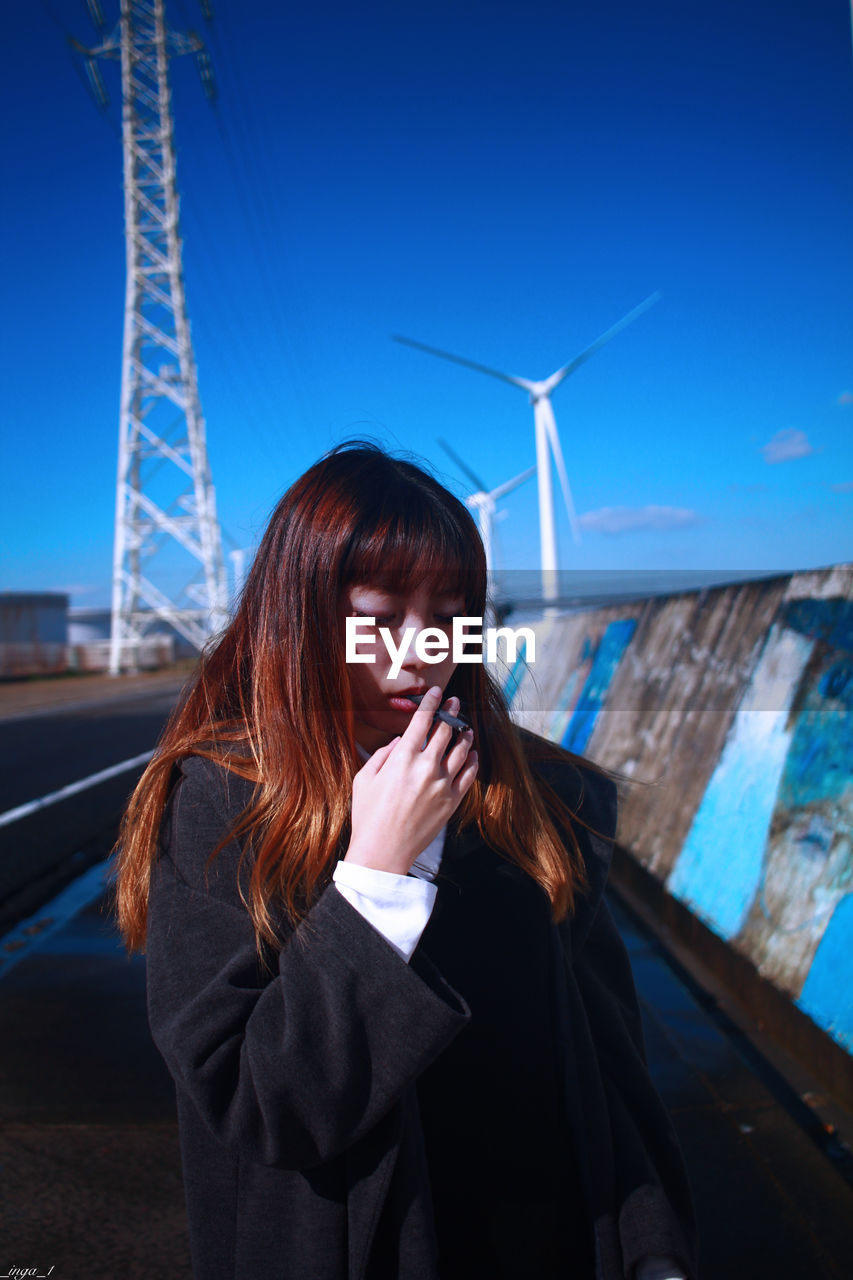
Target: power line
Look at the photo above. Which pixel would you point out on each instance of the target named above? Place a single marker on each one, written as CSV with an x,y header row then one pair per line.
x,y
246,158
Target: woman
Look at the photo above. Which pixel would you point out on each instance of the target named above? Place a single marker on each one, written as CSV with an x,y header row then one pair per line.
x,y
401,1025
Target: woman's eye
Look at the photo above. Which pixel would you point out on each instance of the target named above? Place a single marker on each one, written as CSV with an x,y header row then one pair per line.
x,y
446,619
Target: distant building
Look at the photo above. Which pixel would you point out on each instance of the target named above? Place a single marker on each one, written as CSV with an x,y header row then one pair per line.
x,y
89,642
33,632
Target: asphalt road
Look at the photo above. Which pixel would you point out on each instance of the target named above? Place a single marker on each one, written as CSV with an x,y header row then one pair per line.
x,y
89,1151
88,1143
49,748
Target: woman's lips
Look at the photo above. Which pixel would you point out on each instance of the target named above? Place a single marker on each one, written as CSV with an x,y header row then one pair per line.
x,y
400,702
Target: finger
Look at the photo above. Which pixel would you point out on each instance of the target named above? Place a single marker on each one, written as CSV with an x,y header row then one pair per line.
x,y
439,739
465,777
418,727
459,752
376,761
452,706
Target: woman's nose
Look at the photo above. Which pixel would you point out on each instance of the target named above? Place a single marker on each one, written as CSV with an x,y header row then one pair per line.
x,y
414,624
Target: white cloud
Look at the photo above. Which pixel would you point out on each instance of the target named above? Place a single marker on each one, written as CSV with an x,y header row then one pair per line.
x,y
616,520
787,445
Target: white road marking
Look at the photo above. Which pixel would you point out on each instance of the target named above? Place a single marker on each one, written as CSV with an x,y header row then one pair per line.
x,y
73,788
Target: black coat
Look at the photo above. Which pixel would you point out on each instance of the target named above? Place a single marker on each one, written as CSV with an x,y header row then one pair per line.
x,y
295,1083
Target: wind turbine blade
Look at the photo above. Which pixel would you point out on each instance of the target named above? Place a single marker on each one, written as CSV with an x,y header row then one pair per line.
x,y
557,378
467,364
556,449
504,489
463,467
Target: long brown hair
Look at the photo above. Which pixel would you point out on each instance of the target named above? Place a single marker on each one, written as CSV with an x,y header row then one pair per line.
x,y
271,701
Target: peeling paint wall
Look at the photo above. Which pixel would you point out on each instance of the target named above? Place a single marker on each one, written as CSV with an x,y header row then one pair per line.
x,y
729,713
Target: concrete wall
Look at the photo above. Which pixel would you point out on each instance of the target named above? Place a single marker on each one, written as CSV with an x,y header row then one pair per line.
x,y
729,713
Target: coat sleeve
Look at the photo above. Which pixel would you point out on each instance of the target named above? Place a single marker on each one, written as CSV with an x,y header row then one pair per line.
x,y
292,1063
652,1200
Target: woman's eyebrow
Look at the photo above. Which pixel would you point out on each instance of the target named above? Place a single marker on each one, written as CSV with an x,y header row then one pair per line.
x,y
376,591
395,592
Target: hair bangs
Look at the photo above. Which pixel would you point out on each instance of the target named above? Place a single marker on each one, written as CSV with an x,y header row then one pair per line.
x,y
411,541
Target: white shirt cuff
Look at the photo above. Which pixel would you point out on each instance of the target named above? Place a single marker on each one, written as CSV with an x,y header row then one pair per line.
x,y
397,906
658,1268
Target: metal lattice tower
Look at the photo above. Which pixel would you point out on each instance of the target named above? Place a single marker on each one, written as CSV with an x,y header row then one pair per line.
x,y
165,501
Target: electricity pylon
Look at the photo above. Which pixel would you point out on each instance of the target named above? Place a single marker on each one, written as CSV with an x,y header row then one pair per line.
x,y
165,501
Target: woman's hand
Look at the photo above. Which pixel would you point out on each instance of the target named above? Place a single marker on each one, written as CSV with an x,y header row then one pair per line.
x,y
403,795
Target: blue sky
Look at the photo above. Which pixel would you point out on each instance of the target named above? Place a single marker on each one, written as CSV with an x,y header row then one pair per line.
x,y
500,180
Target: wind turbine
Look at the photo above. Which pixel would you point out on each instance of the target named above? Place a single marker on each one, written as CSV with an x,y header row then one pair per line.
x,y
484,501
547,440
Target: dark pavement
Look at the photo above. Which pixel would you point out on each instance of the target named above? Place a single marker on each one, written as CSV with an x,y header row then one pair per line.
x,y
89,1150
770,1203
88,1142
45,748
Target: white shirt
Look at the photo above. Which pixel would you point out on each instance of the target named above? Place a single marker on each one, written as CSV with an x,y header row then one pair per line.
x,y
397,906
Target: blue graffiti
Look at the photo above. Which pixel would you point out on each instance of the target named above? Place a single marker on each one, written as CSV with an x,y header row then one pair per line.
x,y
613,644
837,684
827,994
827,620
720,867
818,764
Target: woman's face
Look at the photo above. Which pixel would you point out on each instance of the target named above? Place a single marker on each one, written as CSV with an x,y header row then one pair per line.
x,y
381,713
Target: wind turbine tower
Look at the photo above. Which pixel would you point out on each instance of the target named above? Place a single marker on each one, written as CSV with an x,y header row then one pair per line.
x,y
485,502
165,500
547,439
